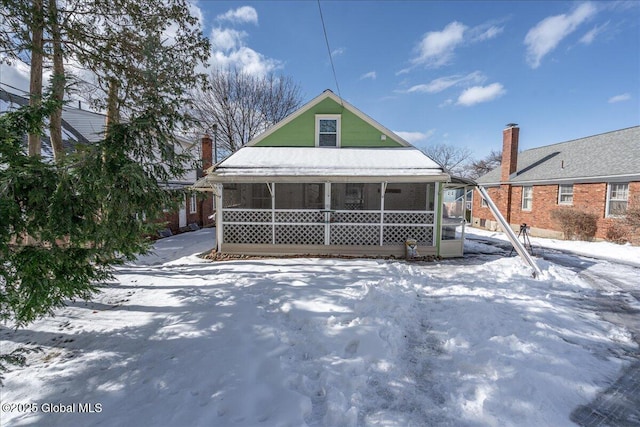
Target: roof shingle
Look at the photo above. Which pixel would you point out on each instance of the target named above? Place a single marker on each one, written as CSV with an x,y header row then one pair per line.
x,y
605,157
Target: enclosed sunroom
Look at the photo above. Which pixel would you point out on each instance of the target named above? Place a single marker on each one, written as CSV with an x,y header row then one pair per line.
x,y
327,180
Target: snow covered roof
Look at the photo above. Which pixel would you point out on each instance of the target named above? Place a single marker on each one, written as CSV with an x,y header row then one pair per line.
x,y
251,164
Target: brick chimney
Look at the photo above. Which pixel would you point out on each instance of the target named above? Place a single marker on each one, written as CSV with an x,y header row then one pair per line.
x,y
207,152
509,151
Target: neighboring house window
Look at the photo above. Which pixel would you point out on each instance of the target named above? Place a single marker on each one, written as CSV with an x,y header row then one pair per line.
x,y
194,205
483,202
565,194
527,198
617,199
328,131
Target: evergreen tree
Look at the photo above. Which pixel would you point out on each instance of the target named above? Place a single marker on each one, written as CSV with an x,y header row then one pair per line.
x,y
65,224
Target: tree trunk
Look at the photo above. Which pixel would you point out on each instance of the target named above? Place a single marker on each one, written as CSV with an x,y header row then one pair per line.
x,y
58,84
113,111
35,84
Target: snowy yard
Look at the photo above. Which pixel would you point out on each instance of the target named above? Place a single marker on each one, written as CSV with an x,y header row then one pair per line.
x,y
179,341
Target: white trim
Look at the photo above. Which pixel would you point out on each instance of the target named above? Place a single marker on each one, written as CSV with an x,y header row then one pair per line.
x,y
530,208
219,227
560,194
338,119
437,208
193,204
607,214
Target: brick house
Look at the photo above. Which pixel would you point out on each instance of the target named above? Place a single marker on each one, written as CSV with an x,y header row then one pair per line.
x,y
197,208
598,174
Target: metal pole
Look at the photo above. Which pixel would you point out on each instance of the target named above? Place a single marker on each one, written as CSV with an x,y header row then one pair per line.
x,y
519,247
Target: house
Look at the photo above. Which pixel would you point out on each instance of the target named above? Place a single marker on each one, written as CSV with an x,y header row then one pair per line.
x,y
598,175
329,180
86,127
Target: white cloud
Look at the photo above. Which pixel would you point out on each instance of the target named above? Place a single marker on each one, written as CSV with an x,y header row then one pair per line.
x,y
486,34
548,33
226,39
591,35
620,98
244,14
247,60
229,49
370,75
477,94
446,103
414,137
337,52
443,83
436,47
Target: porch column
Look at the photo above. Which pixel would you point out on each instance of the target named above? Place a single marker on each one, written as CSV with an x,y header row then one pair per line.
x,y
217,192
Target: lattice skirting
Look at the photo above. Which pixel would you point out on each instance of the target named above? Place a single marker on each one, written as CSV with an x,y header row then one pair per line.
x,y
306,234
355,235
248,233
399,234
347,228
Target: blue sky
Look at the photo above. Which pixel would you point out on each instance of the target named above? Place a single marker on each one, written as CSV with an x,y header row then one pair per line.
x,y
445,72
450,72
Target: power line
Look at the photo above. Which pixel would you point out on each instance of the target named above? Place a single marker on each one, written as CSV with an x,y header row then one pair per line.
x,y
326,39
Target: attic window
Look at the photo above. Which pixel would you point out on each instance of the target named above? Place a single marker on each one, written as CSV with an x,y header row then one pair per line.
x,y
328,130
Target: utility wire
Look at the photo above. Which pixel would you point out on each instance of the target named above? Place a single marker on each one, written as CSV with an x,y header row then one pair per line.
x,y
326,39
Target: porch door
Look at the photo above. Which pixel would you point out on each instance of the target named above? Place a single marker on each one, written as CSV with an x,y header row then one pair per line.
x,y
454,208
353,214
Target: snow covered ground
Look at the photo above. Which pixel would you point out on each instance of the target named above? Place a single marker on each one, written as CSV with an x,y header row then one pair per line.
x,y
179,341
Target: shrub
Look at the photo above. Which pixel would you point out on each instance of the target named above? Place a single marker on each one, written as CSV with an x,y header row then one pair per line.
x,y
576,224
632,219
617,233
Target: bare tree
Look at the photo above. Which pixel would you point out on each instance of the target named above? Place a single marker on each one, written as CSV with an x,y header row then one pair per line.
x,y
452,158
477,168
242,105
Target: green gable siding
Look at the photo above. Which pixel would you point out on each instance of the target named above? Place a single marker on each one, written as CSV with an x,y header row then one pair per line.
x,y
300,132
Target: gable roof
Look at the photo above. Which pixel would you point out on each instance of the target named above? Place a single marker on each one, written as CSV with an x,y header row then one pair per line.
x,y
611,156
328,94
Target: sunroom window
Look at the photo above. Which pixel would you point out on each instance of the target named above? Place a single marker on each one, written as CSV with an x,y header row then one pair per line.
x,y
246,196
